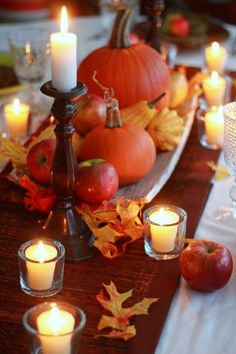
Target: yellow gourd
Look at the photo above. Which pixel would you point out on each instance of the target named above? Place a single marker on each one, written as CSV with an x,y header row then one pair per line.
x,y
141,113
166,129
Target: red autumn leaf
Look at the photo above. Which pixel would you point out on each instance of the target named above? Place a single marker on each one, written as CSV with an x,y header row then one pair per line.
x,y
36,199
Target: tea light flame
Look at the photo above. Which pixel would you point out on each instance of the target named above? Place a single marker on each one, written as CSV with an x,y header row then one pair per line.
x,y
214,78
215,48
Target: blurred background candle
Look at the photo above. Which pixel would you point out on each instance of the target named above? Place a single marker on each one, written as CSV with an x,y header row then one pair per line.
x,y
215,57
55,327
163,233
40,265
214,89
214,126
16,116
64,61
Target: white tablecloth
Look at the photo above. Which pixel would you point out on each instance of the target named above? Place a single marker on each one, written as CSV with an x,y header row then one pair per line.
x,y
197,323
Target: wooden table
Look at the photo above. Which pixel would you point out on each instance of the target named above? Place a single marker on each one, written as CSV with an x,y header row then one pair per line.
x,y
188,187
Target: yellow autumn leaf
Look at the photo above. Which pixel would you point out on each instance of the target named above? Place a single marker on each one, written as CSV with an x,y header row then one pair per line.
x,y
13,151
128,333
221,171
119,322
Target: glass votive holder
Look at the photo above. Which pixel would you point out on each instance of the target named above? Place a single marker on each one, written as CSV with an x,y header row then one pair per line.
x,y
210,123
165,228
16,115
41,263
54,328
214,88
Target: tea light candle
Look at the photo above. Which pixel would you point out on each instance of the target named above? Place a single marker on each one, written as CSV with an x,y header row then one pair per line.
x,y
40,265
63,55
55,327
214,89
215,57
214,126
163,232
16,115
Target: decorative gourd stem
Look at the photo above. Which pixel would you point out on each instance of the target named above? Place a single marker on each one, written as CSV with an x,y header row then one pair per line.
x,y
152,104
121,29
113,119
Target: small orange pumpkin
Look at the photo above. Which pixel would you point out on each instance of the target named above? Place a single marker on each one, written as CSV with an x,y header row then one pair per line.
x,y
135,72
128,148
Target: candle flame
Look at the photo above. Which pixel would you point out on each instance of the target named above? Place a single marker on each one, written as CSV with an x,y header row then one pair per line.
x,y
64,20
41,252
215,47
214,77
27,48
54,319
16,105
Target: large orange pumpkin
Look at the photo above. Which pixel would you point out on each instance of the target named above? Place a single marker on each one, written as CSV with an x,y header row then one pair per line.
x,y
128,148
135,72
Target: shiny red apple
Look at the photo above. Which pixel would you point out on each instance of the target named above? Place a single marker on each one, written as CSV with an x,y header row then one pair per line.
x,y
206,265
91,113
179,26
97,180
39,160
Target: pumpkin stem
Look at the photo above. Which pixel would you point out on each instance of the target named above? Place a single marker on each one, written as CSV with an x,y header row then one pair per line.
x,y
152,104
121,29
113,119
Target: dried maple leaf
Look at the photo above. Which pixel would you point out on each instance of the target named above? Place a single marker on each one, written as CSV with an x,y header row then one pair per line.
x,y
15,152
119,322
114,226
221,171
36,199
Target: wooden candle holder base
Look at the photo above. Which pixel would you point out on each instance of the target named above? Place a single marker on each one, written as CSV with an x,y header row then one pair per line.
x,y
63,222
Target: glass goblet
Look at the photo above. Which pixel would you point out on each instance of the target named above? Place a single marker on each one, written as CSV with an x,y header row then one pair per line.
x,y
227,214
30,48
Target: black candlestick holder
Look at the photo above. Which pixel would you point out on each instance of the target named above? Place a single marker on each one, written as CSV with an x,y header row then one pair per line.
x,y
154,10
63,222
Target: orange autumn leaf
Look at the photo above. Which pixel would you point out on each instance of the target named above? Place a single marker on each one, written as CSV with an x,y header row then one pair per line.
x,y
36,199
119,321
114,226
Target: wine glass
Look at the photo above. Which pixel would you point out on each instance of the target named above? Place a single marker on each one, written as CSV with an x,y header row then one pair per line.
x,y
29,48
227,214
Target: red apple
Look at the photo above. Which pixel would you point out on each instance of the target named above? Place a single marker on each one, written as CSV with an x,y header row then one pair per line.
x,y
206,265
97,180
39,160
179,26
91,113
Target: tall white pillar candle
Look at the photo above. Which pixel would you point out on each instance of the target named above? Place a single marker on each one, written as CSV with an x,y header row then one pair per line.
x,y
215,57
163,232
55,327
40,265
63,56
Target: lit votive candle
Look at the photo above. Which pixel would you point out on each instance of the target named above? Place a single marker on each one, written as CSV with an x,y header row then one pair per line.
x,y
214,126
63,54
55,327
214,89
215,57
16,116
41,267
163,232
